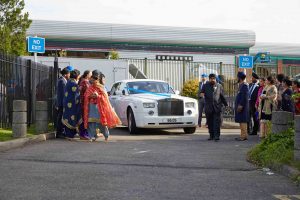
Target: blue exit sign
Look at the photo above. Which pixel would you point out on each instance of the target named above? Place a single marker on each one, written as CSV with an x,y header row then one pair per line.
x,y
246,62
36,44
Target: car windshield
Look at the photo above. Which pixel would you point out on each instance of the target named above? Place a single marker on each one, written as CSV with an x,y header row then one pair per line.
x,y
149,87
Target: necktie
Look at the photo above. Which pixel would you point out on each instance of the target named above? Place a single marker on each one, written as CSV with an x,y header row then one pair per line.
x,y
202,84
252,90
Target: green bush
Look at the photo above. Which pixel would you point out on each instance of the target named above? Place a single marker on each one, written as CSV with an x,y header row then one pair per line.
x,y
190,88
114,55
275,149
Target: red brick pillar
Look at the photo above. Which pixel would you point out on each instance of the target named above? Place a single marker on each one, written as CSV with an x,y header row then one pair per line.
x,y
279,67
249,75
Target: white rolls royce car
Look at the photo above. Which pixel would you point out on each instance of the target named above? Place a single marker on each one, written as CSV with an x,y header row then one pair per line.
x,y
145,103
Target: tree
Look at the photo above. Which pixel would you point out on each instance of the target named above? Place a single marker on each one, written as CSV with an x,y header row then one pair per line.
x,y
114,55
13,25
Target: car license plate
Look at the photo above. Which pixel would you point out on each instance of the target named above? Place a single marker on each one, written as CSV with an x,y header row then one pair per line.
x,y
172,120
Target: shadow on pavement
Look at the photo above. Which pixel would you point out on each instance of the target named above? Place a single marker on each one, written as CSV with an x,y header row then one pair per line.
x,y
123,131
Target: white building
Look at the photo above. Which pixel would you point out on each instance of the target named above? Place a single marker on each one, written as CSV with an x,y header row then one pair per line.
x,y
81,39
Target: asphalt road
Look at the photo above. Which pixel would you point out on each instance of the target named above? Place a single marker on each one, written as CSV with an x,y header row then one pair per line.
x,y
152,165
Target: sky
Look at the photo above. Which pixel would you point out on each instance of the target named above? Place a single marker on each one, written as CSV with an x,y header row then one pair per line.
x,y
275,21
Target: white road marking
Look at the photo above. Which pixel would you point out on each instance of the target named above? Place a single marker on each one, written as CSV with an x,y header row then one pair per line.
x,y
287,197
140,152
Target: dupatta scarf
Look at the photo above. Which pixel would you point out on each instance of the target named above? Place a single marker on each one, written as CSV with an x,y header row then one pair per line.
x,y
108,117
83,86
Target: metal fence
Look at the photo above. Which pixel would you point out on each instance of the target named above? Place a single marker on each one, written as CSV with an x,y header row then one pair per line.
x,y
171,71
291,71
264,70
177,72
22,79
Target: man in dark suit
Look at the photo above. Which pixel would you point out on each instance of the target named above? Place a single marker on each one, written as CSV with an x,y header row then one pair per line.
x,y
214,101
253,92
61,84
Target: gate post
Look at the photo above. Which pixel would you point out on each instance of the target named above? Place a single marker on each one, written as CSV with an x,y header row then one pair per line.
x,y
55,73
297,138
33,90
55,77
221,68
19,123
183,71
281,121
145,66
29,91
41,116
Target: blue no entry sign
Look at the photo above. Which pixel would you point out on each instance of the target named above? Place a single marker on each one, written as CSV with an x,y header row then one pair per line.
x,y
245,61
36,45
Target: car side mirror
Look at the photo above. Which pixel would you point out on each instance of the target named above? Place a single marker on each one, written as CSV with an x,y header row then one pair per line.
x,y
124,92
177,92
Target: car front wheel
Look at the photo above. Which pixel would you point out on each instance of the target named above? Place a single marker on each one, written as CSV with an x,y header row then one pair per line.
x,y
189,130
131,123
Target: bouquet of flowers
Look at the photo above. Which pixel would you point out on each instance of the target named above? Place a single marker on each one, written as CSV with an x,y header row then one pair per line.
x,y
296,96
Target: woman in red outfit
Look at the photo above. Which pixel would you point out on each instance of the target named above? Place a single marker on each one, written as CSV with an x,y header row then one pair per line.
x,y
98,112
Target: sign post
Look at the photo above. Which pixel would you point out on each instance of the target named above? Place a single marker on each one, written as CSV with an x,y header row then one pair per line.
x,y
36,45
246,64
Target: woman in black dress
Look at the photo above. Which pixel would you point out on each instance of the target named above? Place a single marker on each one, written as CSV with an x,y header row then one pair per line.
x,y
287,103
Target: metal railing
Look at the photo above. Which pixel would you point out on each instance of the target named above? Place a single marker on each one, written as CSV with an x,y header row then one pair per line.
x,y
291,71
177,72
22,79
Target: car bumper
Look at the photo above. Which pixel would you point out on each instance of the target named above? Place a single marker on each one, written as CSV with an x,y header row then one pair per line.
x,y
166,121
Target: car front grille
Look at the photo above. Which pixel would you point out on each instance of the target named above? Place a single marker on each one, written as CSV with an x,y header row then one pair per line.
x,y
170,107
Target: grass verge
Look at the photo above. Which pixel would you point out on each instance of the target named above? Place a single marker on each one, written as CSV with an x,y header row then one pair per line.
x,y
274,151
6,134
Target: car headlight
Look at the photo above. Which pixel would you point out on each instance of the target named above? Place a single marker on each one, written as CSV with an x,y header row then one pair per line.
x,y
190,105
149,105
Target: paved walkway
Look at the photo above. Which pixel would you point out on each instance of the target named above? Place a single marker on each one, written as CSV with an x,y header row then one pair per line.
x,y
152,165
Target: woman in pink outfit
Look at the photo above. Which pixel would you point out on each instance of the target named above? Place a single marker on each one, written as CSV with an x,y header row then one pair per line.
x,y
261,87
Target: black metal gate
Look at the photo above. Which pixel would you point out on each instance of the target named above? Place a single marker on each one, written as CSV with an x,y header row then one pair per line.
x,y
265,70
22,79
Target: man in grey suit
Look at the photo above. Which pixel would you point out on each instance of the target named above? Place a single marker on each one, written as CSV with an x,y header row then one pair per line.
x,y
201,101
214,101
